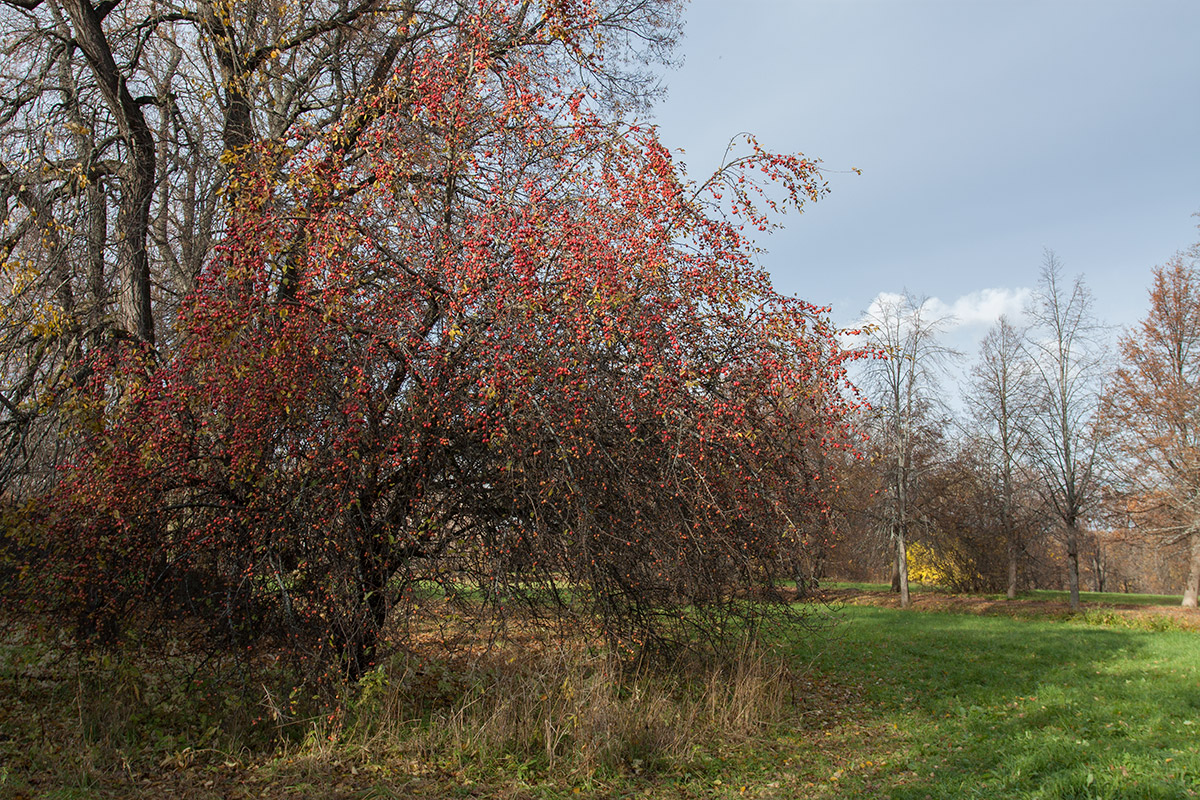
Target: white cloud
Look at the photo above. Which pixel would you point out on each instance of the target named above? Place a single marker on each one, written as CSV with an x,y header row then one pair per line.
x,y
984,307
978,309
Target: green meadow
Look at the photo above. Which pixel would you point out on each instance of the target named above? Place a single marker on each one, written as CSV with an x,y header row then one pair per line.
x,y
989,706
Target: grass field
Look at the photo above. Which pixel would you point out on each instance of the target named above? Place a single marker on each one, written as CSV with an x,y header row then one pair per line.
x,y
1097,598
892,703
968,706
1110,598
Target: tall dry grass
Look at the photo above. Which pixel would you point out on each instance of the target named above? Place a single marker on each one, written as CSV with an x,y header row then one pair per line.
x,y
556,712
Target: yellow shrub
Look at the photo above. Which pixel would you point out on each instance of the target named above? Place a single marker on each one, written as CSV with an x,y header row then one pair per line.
x,y
941,567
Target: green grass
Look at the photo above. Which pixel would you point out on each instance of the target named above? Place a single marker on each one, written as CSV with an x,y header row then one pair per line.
x,y
1097,598
1108,598
863,586
997,707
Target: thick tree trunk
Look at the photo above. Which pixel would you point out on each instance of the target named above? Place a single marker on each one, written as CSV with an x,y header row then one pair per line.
x,y
1192,590
902,567
1073,564
133,228
97,232
137,174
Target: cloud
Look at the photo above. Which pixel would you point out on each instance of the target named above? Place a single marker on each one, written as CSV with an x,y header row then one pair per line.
x,y
986,306
978,309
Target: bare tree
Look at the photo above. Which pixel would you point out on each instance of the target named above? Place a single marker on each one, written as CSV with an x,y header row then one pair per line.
x,y
1067,354
1000,403
901,383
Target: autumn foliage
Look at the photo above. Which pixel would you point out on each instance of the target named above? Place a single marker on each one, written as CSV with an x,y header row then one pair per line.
x,y
480,342
1152,412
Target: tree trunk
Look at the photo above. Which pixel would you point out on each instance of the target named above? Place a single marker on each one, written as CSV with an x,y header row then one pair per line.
x,y
1100,568
137,174
1012,570
133,228
1192,589
902,567
97,233
1010,536
1073,564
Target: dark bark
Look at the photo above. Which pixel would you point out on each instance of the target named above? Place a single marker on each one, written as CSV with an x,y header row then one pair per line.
x,y
136,173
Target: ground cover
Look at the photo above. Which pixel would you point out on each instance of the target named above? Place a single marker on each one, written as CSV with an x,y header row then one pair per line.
x,y
1109,598
1093,598
1145,611
991,706
902,704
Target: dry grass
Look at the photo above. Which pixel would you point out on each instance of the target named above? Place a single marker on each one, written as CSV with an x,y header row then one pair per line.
x,y
562,711
526,710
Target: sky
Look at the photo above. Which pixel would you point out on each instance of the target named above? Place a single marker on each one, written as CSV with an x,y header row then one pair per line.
x,y
986,132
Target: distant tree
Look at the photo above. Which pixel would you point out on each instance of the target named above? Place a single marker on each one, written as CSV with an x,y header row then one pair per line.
x,y
858,540
958,546
901,384
1068,365
1000,405
1153,410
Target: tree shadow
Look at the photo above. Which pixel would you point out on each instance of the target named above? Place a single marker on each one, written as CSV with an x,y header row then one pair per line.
x,y
997,707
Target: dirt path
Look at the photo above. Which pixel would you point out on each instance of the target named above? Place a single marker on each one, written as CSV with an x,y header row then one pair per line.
x,y
1136,614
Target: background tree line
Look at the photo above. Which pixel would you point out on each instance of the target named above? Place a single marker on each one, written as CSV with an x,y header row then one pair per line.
x,y
1062,459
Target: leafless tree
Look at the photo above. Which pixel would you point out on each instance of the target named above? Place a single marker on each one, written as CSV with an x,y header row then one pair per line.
x,y
901,384
1067,355
999,402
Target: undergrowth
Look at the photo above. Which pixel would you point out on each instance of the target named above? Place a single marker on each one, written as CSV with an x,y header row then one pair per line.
x,y
563,715
558,715
1139,622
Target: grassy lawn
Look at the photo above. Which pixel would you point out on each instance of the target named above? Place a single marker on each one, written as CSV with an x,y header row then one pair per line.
x,y
976,706
1098,598
893,703
1109,598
